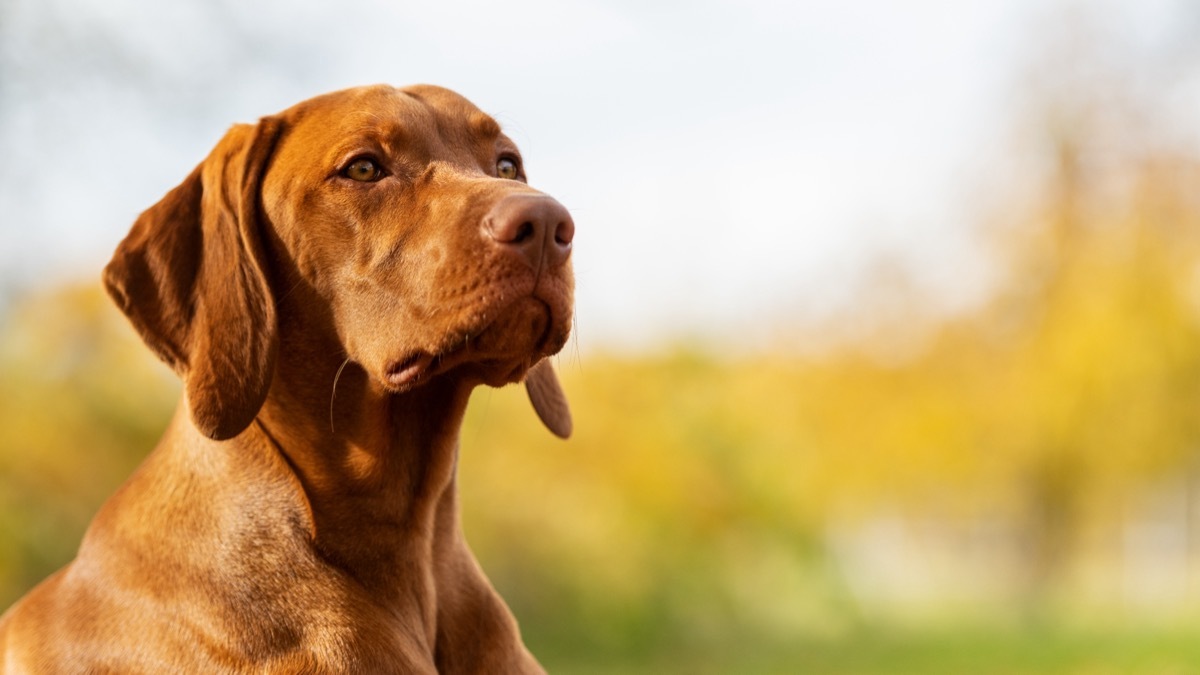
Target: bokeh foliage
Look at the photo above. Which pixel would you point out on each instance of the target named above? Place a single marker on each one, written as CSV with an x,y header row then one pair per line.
x,y
80,405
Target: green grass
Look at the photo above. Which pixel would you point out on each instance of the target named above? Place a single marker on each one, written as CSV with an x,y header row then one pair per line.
x,y
955,653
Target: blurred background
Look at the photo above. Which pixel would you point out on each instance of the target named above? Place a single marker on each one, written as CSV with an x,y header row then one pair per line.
x,y
888,346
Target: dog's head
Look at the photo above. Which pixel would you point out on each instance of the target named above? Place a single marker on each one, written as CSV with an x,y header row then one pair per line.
x,y
405,213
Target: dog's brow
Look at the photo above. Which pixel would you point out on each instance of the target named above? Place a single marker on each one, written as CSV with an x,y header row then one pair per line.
x,y
372,130
370,122
482,124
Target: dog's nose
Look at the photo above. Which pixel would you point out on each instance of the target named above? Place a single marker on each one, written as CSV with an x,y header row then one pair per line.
x,y
534,227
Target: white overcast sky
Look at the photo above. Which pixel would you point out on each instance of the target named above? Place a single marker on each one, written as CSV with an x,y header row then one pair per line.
x,y
727,163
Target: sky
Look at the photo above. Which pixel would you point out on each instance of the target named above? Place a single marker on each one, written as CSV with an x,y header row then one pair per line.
x,y
733,168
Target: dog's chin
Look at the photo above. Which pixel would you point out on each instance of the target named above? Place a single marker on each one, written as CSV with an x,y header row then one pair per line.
x,y
498,354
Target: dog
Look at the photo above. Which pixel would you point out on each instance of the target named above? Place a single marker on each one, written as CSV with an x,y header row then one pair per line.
x,y
330,284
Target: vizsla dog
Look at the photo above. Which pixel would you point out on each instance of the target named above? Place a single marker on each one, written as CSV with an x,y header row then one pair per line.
x,y
330,283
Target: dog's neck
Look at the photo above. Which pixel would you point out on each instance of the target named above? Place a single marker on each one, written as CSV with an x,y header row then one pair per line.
x,y
365,456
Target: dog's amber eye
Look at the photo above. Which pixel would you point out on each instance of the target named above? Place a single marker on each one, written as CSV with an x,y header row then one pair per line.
x,y
507,168
363,170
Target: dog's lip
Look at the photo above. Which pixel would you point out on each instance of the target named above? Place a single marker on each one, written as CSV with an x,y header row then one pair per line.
x,y
421,365
411,370
408,371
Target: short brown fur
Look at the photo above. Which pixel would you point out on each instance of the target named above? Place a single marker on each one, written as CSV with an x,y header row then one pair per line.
x,y
299,513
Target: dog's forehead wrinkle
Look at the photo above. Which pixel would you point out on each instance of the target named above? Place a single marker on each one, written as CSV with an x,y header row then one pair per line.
x,y
458,123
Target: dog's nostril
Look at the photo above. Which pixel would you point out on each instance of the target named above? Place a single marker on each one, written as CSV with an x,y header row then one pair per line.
x,y
524,233
564,233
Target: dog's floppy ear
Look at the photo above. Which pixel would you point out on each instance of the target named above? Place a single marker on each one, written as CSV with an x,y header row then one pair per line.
x,y
192,278
548,399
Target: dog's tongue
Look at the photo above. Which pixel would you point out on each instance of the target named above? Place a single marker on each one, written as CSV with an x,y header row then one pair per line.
x,y
409,371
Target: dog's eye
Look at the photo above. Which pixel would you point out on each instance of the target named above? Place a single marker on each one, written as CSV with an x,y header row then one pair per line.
x,y
362,170
507,168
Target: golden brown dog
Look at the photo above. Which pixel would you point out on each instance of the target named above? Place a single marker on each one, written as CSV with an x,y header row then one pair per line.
x,y
330,283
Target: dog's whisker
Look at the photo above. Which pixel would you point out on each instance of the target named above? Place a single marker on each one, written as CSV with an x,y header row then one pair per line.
x,y
290,290
333,393
575,341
